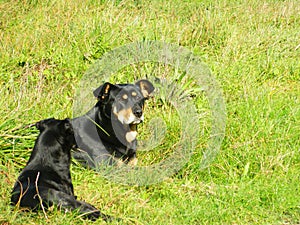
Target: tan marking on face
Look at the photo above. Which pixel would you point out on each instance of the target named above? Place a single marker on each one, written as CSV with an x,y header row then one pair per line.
x,y
131,136
134,94
125,96
125,116
133,162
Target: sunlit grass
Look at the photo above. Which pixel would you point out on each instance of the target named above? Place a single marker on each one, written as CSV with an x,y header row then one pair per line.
x,y
251,46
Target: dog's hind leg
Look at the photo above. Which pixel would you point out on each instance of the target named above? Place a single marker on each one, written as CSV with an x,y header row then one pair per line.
x,y
69,202
25,196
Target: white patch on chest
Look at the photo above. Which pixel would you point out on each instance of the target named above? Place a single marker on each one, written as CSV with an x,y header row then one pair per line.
x,y
130,136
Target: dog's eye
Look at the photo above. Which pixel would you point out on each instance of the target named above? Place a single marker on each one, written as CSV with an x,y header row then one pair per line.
x,y
138,98
123,98
135,95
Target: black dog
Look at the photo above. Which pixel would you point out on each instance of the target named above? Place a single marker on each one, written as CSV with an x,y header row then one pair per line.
x,y
46,179
108,131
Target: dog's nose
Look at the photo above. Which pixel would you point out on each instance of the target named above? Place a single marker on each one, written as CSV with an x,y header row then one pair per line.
x,y
138,112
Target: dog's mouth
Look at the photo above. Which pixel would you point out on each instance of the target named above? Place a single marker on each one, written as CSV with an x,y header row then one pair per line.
x,y
133,125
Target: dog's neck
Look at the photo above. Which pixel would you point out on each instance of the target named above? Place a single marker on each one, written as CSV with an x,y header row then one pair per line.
x,y
117,136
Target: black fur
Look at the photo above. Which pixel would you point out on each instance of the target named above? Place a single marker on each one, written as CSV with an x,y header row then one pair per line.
x,y
46,179
107,132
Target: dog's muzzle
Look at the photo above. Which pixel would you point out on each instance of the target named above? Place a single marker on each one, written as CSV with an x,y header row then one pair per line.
x,y
138,112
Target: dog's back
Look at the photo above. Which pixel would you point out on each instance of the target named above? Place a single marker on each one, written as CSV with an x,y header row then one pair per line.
x,y
46,179
49,163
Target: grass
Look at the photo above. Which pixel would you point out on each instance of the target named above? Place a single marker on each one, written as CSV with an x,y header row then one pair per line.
x,y
252,47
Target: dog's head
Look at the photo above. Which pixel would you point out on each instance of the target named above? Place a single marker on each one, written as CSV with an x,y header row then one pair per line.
x,y
56,130
124,101
56,137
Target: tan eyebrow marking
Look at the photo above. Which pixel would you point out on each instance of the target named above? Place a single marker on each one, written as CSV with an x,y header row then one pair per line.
x,y
134,93
125,96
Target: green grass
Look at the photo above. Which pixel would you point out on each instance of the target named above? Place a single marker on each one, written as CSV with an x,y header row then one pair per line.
x,y
252,47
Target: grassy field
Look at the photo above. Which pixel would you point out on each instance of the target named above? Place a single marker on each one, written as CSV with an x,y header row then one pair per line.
x,y
253,49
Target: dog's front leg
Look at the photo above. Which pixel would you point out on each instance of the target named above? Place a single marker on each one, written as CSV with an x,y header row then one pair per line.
x,y
131,153
133,161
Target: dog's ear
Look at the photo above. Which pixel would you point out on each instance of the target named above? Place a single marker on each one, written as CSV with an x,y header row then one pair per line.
x,y
146,87
40,125
68,127
102,93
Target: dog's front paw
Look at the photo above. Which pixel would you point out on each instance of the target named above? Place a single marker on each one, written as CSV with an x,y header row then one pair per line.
x,y
133,162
